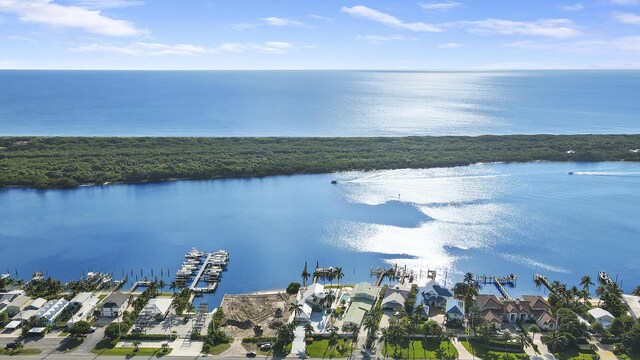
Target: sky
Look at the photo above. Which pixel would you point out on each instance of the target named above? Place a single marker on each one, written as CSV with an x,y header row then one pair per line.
x,y
319,34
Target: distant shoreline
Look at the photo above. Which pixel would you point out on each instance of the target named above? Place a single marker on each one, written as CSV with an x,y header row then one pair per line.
x,y
67,162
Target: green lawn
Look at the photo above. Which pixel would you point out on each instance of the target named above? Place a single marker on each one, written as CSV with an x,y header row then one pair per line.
x,y
21,352
484,353
574,355
102,297
219,349
429,349
128,351
320,349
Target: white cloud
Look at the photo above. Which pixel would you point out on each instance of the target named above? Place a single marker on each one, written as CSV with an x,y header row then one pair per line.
x,y
383,18
450,45
45,12
268,47
244,26
574,7
626,18
107,4
318,17
554,28
440,6
626,44
277,21
624,2
379,40
22,38
143,49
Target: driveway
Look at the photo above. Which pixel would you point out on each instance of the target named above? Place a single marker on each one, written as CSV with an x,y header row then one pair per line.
x,y
298,347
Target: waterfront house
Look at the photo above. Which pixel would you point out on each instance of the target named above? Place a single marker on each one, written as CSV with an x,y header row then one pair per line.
x,y
395,296
86,311
52,310
15,305
157,308
36,304
433,295
529,308
114,304
602,316
363,298
311,297
633,303
393,300
454,309
79,300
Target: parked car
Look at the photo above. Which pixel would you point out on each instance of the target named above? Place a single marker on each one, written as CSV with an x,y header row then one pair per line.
x,y
251,354
265,347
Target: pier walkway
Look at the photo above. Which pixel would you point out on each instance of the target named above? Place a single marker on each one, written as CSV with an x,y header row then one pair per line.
x,y
196,279
544,281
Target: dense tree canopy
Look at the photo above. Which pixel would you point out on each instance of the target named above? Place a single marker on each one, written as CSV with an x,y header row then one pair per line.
x,y
48,162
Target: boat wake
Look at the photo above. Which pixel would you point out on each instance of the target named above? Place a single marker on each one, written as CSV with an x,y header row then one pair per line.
x,y
607,173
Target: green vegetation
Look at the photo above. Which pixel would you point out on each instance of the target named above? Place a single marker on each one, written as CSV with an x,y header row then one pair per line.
x,y
219,349
575,355
215,337
50,162
329,348
482,352
421,349
21,351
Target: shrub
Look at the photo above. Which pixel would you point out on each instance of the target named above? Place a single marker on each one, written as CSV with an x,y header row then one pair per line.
x,y
293,288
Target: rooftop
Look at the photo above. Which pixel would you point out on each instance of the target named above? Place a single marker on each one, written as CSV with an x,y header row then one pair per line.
x,y
364,288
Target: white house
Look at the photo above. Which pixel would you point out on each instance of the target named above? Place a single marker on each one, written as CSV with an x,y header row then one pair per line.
x,y
52,310
157,307
86,310
114,304
454,309
310,298
79,300
602,316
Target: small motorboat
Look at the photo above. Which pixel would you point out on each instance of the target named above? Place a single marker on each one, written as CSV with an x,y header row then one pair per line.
x,y
334,182
570,172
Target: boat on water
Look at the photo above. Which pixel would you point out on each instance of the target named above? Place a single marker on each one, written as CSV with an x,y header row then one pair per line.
x,y
570,172
334,182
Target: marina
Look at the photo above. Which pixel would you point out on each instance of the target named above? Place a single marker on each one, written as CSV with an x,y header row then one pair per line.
x,y
200,266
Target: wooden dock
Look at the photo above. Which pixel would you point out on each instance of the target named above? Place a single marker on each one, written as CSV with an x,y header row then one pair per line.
x,y
544,281
500,283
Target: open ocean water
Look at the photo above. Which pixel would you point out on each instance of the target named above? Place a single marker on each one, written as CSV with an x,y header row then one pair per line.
x,y
317,103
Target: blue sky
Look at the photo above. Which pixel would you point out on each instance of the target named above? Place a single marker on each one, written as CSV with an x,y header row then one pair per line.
x,y
319,34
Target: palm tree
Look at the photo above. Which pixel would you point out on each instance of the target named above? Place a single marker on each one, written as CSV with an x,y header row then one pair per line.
x,y
586,282
305,274
136,345
534,329
162,284
308,330
296,309
333,339
339,274
384,339
636,291
600,292
468,278
329,299
538,282
554,340
448,337
524,340
173,286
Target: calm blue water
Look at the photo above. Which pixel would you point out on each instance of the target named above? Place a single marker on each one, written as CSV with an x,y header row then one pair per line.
x,y
491,219
317,103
